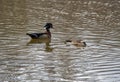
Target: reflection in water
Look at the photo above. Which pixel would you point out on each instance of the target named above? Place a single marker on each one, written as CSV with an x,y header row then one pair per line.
x,y
46,41
94,21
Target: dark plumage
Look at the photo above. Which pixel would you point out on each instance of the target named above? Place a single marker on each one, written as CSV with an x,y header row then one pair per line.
x,y
35,35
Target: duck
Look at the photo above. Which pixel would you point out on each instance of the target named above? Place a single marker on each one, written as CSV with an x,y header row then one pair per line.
x,y
78,43
46,34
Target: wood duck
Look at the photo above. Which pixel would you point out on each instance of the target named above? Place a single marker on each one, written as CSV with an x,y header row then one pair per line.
x,y
78,43
46,34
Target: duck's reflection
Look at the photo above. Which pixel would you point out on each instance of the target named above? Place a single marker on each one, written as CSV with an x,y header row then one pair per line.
x,y
42,41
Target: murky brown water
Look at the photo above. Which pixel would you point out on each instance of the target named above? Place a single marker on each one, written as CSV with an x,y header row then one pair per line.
x,y
97,22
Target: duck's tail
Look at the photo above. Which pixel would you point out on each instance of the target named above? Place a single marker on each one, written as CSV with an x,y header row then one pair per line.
x,y
32,35
27,34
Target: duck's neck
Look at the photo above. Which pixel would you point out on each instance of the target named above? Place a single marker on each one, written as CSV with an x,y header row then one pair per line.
x,y
48,32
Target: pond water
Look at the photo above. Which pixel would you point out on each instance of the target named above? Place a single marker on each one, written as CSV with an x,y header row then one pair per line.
x,y
97,22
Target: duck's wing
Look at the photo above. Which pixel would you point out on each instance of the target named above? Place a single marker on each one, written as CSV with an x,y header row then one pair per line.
x,y
35,35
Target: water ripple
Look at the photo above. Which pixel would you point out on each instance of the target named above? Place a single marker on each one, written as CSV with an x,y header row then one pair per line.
x,y
95,22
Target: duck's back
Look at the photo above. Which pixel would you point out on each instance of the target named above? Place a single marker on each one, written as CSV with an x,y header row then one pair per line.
x,y
37,35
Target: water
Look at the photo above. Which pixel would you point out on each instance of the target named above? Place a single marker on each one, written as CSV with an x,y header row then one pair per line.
x,y
96,22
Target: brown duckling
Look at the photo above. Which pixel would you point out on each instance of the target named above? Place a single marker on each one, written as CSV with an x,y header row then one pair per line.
x,y
78,43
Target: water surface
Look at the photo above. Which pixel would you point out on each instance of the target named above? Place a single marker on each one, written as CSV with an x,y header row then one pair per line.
x,y
97,22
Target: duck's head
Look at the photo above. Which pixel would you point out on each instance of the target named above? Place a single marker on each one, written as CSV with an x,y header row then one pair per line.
x,y
48,26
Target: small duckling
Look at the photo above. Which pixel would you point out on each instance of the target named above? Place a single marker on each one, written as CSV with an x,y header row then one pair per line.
x,y
78,43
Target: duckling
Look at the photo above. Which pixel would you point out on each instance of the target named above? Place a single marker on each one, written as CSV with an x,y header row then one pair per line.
x,y
78,43
46,34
